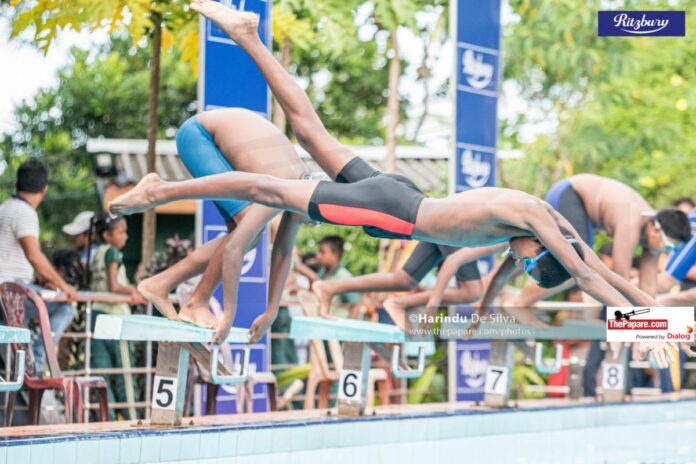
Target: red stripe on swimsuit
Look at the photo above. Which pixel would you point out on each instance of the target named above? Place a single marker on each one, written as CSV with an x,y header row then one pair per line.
x,y
351,216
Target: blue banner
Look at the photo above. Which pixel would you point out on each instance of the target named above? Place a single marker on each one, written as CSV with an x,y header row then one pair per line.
x,y
641,23
229,78
477,79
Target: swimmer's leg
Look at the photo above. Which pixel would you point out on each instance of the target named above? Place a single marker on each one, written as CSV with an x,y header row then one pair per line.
x,y
325,290
331,155
397,306
156,288
289,195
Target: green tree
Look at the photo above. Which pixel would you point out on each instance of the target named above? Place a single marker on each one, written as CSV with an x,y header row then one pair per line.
x,y
159,24
102,92
620,107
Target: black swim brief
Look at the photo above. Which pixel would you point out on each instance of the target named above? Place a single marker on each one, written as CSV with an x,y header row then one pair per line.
x,y
564,199
429,255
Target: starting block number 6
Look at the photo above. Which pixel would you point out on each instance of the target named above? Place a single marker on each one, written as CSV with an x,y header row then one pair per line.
x,y
164,392
350,385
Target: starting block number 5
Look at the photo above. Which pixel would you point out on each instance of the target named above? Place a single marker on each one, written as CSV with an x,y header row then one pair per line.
x,y
164,392
497,378
350,385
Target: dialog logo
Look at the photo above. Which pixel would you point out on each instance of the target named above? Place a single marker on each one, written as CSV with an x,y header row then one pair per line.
x,y
635,324
641,23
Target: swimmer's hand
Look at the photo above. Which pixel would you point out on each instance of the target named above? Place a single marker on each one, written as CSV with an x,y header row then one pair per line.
x,y
327,315
662,353
222,331
259,327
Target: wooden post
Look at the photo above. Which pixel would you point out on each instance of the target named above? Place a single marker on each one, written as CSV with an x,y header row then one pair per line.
x,y
574,378
169,386
352,385
499,374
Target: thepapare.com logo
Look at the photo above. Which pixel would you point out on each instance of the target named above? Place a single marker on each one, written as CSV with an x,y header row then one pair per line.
x,y
641,23
666,324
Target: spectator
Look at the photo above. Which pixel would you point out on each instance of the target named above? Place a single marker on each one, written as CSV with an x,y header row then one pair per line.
x,y
109,275
21,255
79,231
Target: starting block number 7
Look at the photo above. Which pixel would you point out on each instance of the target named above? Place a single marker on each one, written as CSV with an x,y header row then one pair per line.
x,y
164,392
496,380
350,385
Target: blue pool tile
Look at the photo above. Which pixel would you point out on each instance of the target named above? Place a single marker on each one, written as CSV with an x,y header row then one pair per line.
x,y
281,439
263,441
109,451
129,450
3,455
65,451
170,448
41,454
150,448
190,445
87,451
208,447
19,454
298,437
230,441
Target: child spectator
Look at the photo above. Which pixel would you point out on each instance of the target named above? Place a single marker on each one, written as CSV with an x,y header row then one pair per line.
x,y
109,275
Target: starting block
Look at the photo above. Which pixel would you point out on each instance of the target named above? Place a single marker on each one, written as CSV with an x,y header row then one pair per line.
x,y
356,335
505,337
176,341
14,335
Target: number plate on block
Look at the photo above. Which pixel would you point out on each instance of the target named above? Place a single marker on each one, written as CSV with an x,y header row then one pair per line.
x,y
350,385
497,378
164,392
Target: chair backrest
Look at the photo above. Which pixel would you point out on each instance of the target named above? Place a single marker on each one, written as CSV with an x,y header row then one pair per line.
x,y
13,300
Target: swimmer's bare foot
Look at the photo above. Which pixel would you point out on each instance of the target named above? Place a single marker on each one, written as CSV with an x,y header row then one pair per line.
x,y
157,294
524,316
397,313
321,290
198,314
310,304
239,25
138,199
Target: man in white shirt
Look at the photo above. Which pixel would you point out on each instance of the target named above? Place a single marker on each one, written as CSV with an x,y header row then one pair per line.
x,y
20,251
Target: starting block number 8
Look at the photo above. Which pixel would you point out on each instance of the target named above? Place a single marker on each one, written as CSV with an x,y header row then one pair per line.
x,y
164,392
350,385
613,376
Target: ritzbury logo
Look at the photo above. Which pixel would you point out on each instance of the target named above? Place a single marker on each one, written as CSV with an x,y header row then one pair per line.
x,y
641,23
635,324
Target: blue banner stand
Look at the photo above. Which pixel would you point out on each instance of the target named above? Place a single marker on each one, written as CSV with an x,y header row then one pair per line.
x,y
229,78
475,30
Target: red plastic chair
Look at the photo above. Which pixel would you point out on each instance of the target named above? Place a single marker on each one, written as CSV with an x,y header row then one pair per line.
x,y
12,299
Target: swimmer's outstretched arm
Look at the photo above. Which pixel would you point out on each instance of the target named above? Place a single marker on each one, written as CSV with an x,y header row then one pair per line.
x,y
545,227
632,293
330,154
281,260
683,298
